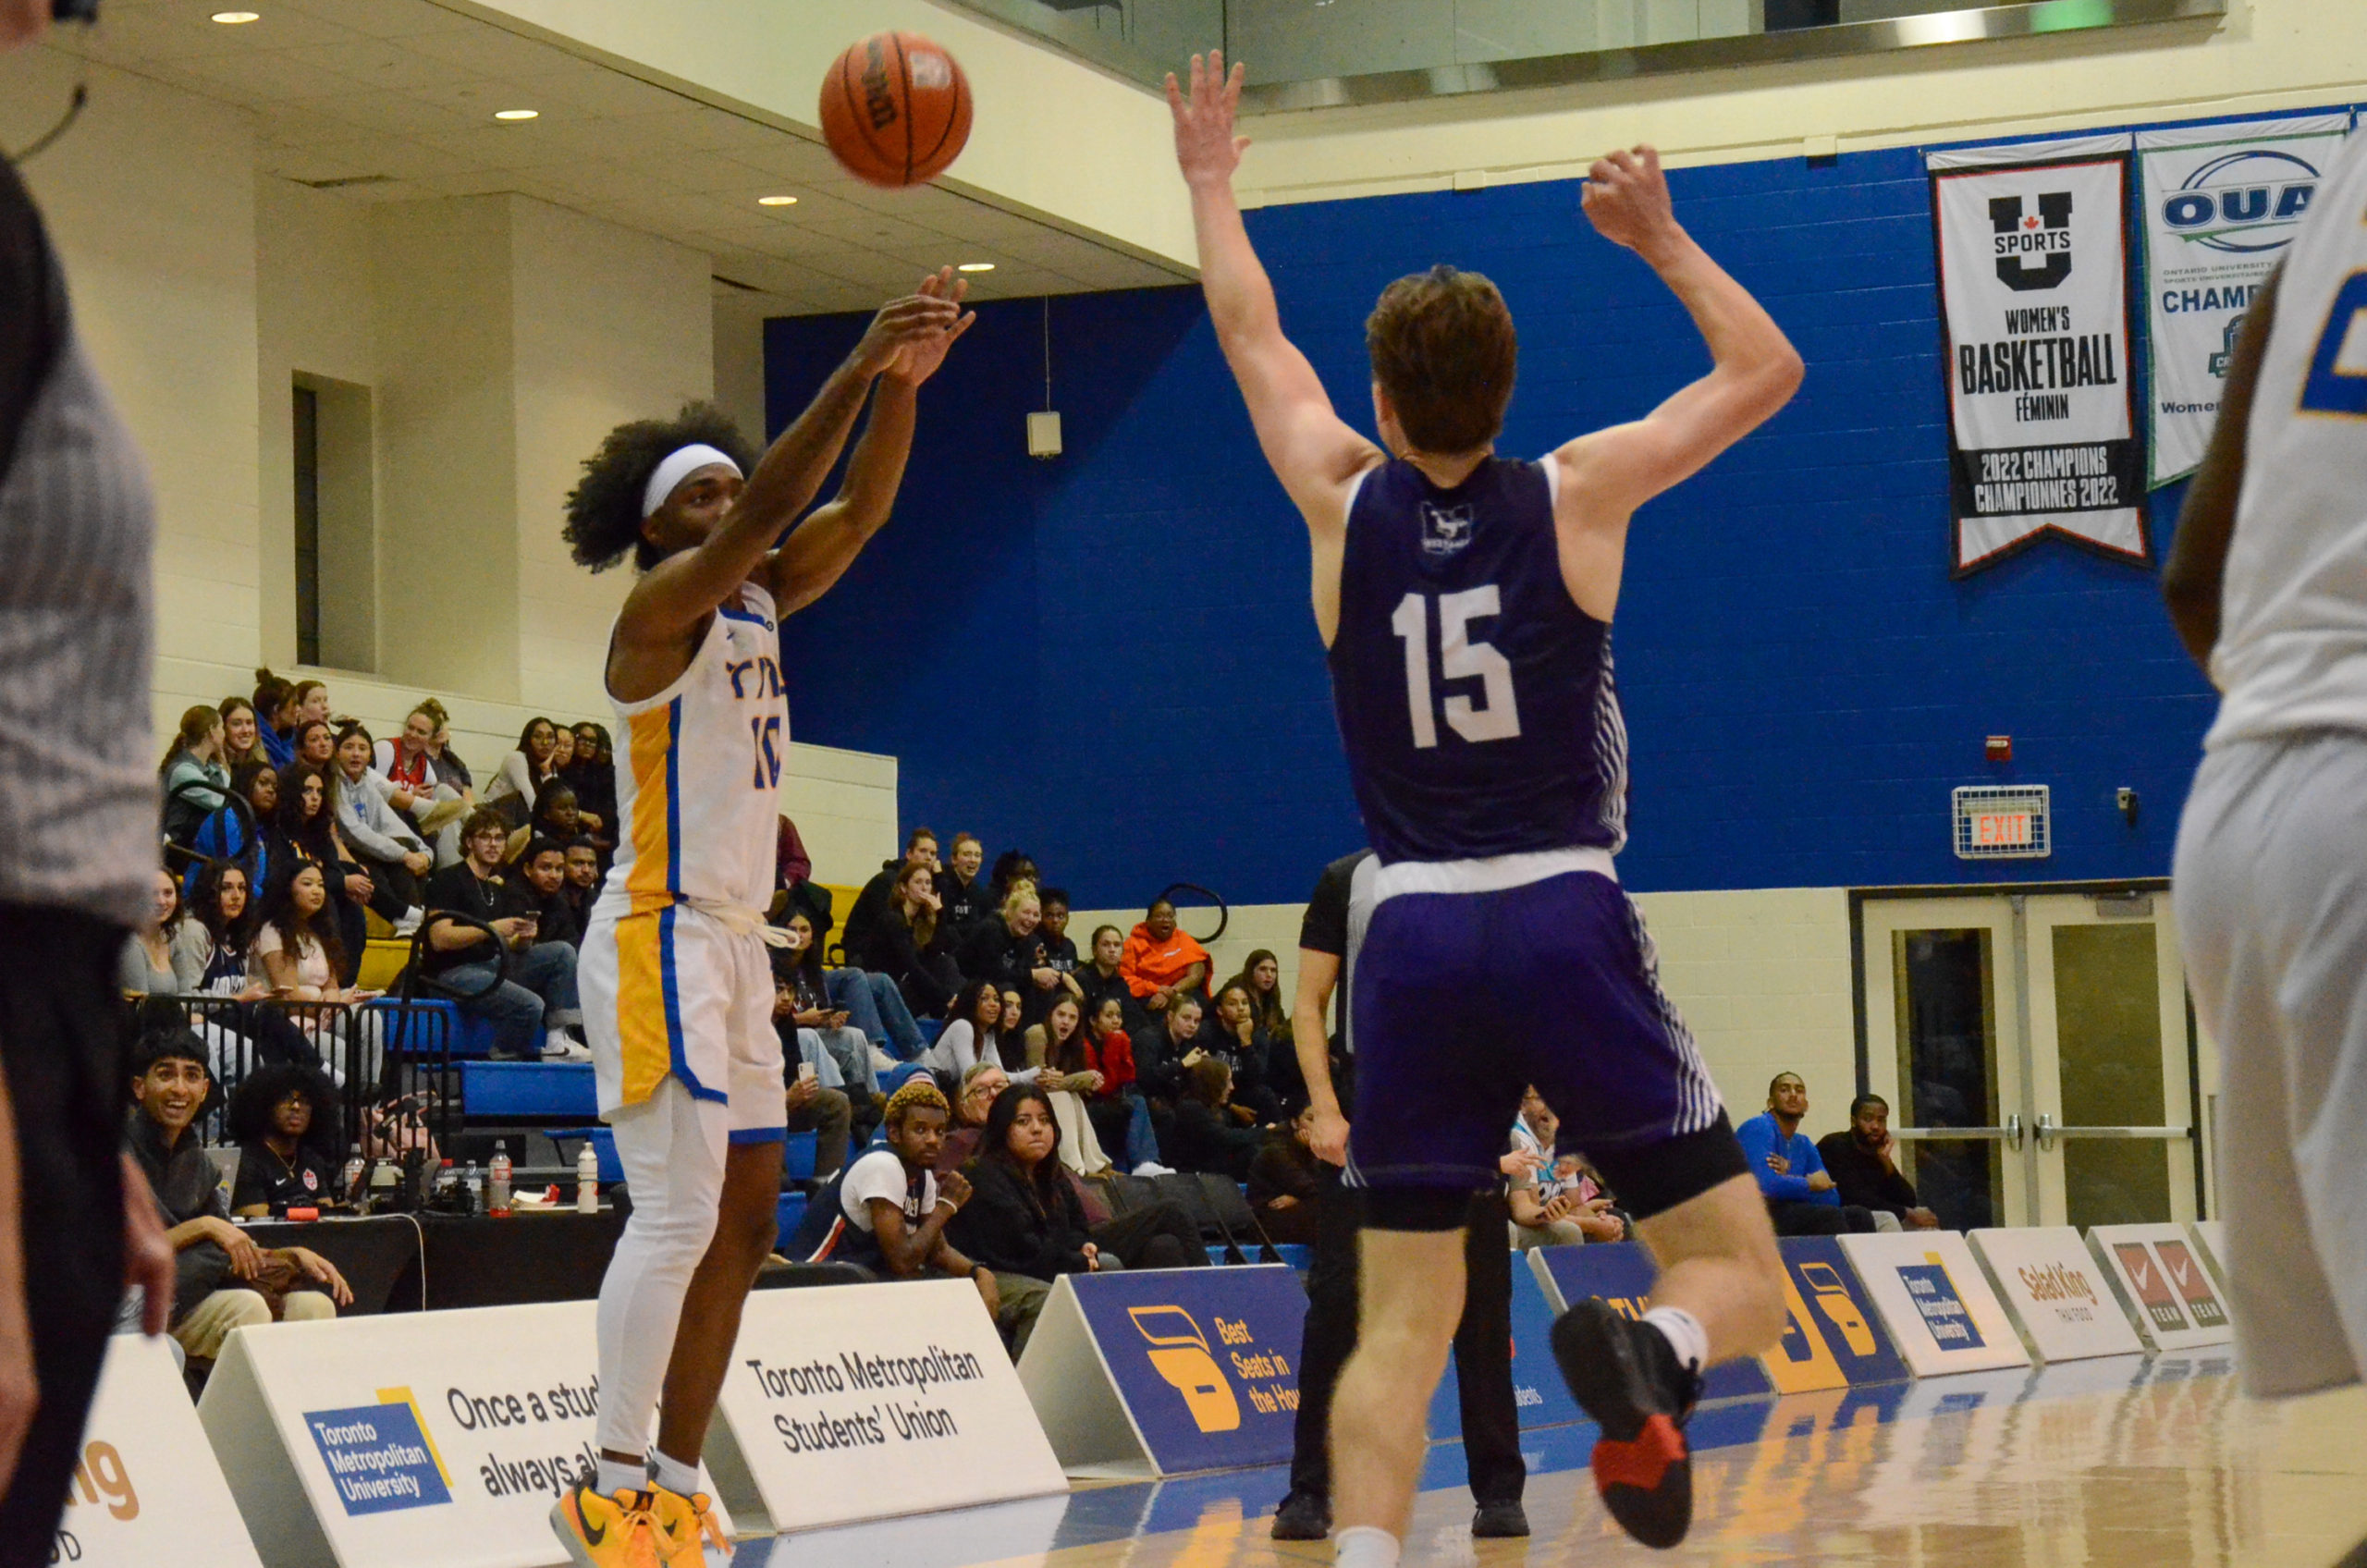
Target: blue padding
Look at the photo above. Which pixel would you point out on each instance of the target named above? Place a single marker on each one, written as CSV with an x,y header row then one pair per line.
x,y
930,1028
797,1155
790,1213
424,1025
1298,1254
528,1088
1216,1255
604,1149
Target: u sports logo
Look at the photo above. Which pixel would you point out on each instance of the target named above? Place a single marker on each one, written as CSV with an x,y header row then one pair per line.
x,y
2033,250
379,1456
2245,203
1179,1353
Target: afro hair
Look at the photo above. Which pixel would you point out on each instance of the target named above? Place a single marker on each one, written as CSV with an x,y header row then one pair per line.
x,y
260,1093
604,514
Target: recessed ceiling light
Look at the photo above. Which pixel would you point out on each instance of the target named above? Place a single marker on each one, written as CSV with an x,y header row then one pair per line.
x,y
975,266
776,200
232,18
515,113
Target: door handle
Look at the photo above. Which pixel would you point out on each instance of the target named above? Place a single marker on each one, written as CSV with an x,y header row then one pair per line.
x,y
2048,1132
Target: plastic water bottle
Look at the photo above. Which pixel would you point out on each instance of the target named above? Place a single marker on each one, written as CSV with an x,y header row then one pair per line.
x,y
587,1179
354,1166
498,1190
472,1180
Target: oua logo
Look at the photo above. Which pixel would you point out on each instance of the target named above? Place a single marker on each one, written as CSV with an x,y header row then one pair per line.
x,y
1180,1353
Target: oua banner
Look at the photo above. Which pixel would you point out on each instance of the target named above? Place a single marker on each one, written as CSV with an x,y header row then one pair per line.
x,y
2221,202
2033,260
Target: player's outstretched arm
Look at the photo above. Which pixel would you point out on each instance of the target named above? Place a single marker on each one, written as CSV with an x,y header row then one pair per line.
x,y
2193,576
1754,372
1312,451
814,558
673,595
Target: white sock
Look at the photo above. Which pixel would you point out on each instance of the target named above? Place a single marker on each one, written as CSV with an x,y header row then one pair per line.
x,y
1364,1546
1684,1334
672,1474
621,1475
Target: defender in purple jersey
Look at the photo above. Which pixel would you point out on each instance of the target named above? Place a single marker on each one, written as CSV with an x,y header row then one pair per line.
x,y
1465,600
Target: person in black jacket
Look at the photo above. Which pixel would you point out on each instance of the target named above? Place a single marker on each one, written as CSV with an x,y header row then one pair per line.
x,y
964,892
870,905
543,866
1863,1163
1013,950
1246,1049
1097,977
1212,1132
908,943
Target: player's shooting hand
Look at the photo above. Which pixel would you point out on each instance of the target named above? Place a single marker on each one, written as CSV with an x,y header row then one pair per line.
x,y
918,359
1626,198
1205,148
900,323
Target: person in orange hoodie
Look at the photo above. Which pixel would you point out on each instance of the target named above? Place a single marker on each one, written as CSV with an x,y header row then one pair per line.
x,y
1160,961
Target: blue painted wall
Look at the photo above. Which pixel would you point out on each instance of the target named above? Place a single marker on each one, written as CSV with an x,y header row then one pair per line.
x,y
1107,659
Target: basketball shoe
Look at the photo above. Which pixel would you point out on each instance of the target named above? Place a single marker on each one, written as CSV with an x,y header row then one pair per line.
x,y
1628,1378
685,1528
603,1531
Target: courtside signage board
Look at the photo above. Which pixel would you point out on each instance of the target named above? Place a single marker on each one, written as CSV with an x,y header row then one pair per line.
x,y
1833,1337
1170,1370
864,1400
146,1489
2060,1298
2041,398
2212,1234
2172,1296
1935,1301
414,1437
1539,1397
1621,1273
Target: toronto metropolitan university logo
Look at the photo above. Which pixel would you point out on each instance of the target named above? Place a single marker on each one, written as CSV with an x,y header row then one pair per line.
x,y
2033,252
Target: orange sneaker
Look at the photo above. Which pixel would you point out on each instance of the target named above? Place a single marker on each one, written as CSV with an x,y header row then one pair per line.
x,y
603,1531
685,1530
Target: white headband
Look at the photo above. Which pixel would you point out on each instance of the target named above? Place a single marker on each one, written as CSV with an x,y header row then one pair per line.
x,y
678,466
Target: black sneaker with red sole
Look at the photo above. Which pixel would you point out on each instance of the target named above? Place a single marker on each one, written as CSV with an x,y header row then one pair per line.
x,y
1627,1376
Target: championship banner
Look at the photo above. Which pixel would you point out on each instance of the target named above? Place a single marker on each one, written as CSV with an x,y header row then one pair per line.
x,y
2034,302
2221,202
146,1489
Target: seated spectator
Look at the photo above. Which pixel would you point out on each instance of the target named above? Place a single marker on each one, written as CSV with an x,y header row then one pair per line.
x,y
798,967
562,750
395,856
304,833
435,805
1023,1219
192,773
971,1034
1098,977
297,953
146,968
543,866
1801,1197
827,1114
537,1000
233,833
1286,1182
1120,1115
525,772
874,1004
1011,952
908,945
209,944
223,1282
241,733
276,706
1863,1163
583,879
316,743
1161,1048
963,896
284,1119
979,1088
1056,1049
1212,1132
859,926
448,763
1552,1202
593,776
1261,976
1161,962
1246,1049
888,1211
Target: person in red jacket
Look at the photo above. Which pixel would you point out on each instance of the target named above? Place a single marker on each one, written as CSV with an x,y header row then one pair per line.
x,y
1160,961
1120,1115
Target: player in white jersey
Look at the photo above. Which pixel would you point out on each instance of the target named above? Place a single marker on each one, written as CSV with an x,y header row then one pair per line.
x,y
677,987
2267,583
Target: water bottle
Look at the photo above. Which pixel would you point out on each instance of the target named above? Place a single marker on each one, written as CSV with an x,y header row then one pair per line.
x,y
354,1167
497,1192
587,1179
473,1181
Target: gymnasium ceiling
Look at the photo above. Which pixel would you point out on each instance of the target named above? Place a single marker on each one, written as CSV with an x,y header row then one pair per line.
x,y
394,101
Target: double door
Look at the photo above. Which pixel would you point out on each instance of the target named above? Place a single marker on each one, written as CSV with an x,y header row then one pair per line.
x,y
2038,1054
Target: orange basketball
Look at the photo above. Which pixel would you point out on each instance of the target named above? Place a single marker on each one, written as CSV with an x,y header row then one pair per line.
x,y
896,109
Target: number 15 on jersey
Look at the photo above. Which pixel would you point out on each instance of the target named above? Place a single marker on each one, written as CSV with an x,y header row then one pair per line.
x,y
1496,716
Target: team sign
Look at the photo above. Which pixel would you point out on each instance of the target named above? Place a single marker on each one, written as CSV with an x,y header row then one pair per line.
x,y
2033,286
2221,202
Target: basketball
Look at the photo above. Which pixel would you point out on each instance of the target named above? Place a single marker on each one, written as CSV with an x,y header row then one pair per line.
x,y
896,109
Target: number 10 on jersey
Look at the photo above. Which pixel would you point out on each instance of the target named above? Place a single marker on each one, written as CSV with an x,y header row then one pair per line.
x,y
766,732
1497,716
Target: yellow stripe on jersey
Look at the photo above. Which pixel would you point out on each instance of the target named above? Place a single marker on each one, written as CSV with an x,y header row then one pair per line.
x,y
641,1005
650,740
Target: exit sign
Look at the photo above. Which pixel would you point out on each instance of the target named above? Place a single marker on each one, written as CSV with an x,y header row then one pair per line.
x,y
2006,822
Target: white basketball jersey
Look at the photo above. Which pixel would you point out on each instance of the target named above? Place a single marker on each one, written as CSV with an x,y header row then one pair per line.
x,y
698,771
2292,652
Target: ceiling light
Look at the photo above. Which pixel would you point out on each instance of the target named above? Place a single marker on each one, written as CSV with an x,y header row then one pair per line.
x,y
232,18
975,266
776,200
515,113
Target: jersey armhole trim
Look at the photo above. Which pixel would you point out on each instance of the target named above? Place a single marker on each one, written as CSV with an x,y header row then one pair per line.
x,y
1553,481
1356,488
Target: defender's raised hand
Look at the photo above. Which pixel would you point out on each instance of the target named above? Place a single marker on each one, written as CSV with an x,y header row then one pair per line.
x,y
1205,148
918,359
1626,198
